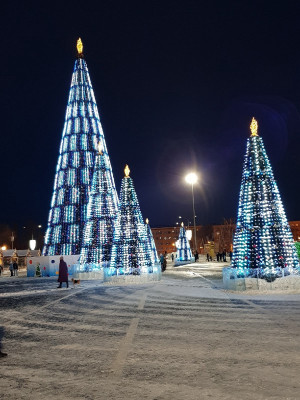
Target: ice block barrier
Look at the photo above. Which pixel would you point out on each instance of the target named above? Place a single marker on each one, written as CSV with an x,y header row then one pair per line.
x,y
233,279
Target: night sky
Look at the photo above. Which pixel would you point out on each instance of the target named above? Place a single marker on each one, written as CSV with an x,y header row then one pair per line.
x,y
176,84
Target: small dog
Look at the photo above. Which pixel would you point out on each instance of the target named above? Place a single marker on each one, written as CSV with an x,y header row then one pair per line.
x,y
75,282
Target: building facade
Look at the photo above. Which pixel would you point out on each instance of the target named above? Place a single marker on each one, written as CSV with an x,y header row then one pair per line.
x,y
215,237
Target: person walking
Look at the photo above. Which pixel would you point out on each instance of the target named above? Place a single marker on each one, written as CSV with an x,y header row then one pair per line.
x,y
196,256
11,268
15,267
62,273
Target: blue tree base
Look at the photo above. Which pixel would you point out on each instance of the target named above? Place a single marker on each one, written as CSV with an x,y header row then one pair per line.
x,y
178,263
287,279
114,276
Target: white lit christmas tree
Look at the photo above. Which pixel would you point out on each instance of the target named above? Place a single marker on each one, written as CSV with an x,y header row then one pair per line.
x,y
263,243
130,253
101,215
81,134
151,244
184,252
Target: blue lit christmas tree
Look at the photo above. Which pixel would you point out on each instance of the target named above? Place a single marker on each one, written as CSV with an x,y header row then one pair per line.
x,y
81,134
184,252
151,244
130,253
101,215
263,242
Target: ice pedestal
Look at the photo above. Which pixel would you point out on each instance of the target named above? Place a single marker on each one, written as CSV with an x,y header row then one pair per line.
x,y
178,263
239,279
132,276
89,271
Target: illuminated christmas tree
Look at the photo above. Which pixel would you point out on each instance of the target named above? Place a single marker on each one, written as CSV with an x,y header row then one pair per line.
x,y
81,134
184,252
263,239
101,214
130,253
151,244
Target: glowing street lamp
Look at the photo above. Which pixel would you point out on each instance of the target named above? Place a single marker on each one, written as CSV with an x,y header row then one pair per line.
x,y
191,179
32,244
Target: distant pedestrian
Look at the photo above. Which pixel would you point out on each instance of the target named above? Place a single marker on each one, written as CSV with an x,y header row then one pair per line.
x,y
161,259
62,273
230,255
224,255
15,267
164,263
11,268
196,256
218,256
207,257
172,256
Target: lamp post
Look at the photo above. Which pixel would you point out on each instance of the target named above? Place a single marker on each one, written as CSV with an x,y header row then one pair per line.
x,y
12,238
32,241
191,179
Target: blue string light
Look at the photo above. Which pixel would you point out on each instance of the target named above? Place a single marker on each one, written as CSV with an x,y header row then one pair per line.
x,y
81,133
263,243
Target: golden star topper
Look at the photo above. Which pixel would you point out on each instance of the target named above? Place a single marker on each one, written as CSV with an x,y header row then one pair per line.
x,y
254,127
79,46
126,171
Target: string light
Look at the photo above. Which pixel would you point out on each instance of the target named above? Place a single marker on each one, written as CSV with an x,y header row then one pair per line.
x,y
151,244
184,252
101,215
263,243
81,133
130,251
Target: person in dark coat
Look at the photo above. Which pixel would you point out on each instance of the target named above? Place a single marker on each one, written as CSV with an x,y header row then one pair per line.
x,y
15,267
196,256
11,268
62,273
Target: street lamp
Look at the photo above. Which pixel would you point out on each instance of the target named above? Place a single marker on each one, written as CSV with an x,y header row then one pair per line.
x,y
32,241
191,179
12,238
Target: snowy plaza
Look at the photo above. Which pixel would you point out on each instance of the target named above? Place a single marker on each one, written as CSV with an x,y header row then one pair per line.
x,y
181,338
136,324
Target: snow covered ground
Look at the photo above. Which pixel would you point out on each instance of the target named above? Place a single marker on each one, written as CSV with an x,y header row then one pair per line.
x,y
180,338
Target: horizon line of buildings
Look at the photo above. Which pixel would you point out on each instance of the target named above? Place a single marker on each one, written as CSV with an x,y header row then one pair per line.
x,y
210,239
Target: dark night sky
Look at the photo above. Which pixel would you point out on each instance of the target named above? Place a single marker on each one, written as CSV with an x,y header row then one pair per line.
x,y
176,83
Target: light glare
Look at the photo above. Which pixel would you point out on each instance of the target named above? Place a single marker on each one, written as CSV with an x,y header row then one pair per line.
x,y
191,178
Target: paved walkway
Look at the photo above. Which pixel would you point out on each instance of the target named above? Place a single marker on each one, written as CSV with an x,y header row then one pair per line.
x,y
182,338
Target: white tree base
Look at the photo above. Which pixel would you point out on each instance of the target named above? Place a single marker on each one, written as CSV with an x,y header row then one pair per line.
x,y
131,279
290,283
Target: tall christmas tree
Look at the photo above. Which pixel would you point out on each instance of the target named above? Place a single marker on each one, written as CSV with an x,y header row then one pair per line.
x,y
130,253
101,214
81,134
184,252
263,239
151,244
